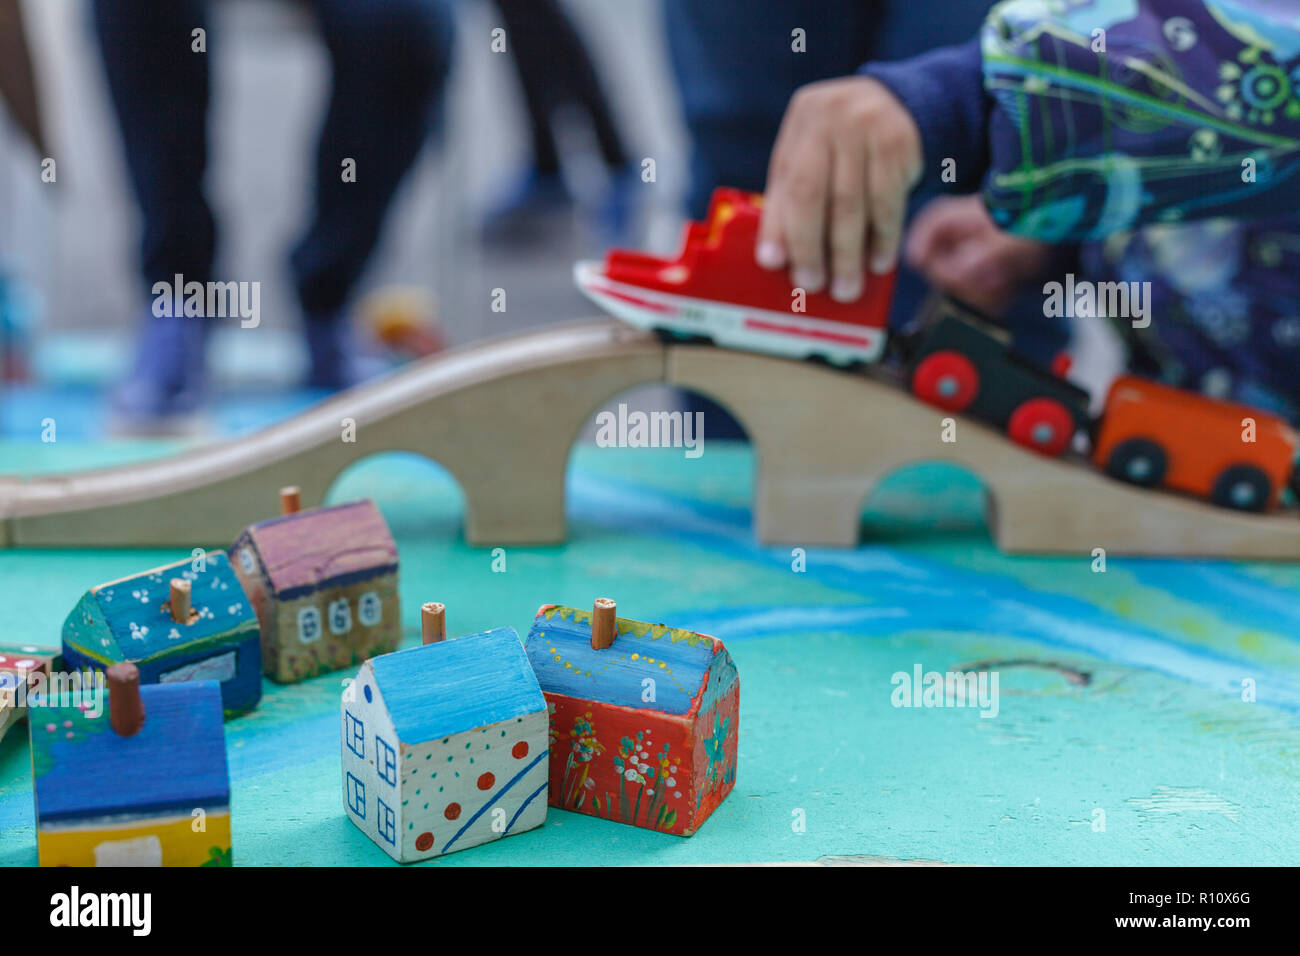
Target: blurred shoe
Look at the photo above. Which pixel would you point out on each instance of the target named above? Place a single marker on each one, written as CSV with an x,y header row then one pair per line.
x,y
614,215
527,208
338,358
167,385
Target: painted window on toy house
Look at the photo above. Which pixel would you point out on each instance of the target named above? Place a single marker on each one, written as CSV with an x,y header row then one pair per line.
x,y
356,735
340,616
385,761
356,796
309,624
369,609
386,821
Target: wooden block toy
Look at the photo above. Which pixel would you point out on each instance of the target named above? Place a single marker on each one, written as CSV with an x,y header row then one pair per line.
x,y
444,746
714,289
19,666
324,584
1155,435
404,319
142,784
185,621
644,718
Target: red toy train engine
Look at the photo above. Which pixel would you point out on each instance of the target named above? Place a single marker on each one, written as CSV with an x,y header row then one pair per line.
x,y
715,290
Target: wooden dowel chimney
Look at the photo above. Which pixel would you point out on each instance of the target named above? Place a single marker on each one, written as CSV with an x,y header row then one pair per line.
x,y
603,623
433,622
290,500
125,708
179,602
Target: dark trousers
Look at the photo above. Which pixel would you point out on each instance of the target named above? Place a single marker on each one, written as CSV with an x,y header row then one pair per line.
x,y
390,59
555,71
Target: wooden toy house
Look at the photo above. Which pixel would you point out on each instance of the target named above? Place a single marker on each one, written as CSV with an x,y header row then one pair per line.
x,y
324,584
19,667
185,621
444,746
141,782
644,718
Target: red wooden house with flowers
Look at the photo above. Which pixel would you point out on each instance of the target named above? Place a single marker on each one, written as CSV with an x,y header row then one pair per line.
x,y
644,718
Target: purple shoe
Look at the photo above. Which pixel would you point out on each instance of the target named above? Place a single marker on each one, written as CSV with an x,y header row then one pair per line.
x,y
527,211
338,359
168,382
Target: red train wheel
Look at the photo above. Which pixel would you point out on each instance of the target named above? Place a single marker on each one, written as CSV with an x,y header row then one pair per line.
x,y
1043,424
947,379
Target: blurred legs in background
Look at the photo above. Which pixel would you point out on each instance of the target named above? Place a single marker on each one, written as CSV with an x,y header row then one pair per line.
x,y
556,73
18,93
389,60
159,88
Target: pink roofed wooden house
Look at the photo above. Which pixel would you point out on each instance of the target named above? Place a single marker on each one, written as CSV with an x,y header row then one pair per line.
x,y
324,585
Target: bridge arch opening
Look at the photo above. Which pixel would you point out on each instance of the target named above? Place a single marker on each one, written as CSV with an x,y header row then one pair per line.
x,y
420,499
927,501
651,439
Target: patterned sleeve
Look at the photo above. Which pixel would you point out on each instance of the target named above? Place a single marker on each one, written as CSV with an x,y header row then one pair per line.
x,y
1107,115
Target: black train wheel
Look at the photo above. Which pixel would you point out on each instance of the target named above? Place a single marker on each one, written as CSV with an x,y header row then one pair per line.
x,y
1139,461
1243,487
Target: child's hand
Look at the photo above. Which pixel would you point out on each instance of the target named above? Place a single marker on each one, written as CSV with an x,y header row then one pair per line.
x,y
847,155
954,244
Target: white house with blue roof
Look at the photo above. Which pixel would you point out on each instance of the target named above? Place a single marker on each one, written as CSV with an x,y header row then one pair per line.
x,y
444,746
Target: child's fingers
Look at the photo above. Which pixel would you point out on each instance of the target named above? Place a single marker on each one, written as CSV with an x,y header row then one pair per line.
x,y
925,236
848,218
887,190
963,267
893,168
970,273
801,195
937,226
770,251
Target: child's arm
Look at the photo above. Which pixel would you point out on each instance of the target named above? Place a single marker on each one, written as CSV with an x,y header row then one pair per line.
x,y
1075,134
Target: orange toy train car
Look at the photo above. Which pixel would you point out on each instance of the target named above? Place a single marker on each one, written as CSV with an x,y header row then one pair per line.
x,y
714,289
1155,435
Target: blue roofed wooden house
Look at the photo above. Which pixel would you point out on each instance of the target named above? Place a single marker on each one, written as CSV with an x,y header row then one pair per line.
x,y
155,794
185,621
444,746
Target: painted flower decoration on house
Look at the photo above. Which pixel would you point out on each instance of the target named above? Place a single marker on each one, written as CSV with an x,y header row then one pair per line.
x,y
716,749
582,738
630,721
583,748
218,856
636,764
